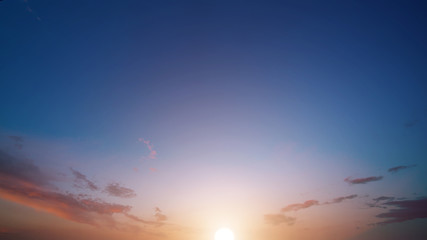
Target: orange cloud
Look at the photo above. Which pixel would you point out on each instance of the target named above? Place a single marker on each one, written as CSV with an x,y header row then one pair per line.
x,y
23,183
299,206
277,219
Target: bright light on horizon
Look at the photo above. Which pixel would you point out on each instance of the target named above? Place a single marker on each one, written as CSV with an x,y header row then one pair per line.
x,y
224,234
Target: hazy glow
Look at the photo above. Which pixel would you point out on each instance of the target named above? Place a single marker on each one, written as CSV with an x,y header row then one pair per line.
x,y
224,234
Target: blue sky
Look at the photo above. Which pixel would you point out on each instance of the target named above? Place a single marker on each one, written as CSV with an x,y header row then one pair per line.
x,y
277,99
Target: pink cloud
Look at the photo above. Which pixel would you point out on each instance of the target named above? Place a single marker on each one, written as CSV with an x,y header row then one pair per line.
x,y
153,153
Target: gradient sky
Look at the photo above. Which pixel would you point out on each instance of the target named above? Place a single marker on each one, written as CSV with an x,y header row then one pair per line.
x,y
170,119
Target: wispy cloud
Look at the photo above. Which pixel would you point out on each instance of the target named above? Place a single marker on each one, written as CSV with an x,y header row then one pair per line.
x,y
80,180
405,210
114,189
383,198
299,206
68,206
411,123
379,201
20,170
341,199
18,141
23,183
153,153
277,219
398,168
362,180
160,217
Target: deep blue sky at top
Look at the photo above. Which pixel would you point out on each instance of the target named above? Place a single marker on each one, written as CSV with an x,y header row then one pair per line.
x,y
339,74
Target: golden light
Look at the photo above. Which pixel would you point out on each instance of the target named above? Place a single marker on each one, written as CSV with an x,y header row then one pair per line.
x,y
224,234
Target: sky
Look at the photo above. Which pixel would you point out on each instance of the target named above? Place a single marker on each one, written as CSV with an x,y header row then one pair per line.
x,y
168,120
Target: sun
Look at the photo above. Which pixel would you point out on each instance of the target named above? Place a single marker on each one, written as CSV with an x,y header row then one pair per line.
x,y
224,234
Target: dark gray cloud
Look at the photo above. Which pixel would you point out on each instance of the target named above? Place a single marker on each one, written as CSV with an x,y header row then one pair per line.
x,y
411,123
22,170
404,210
114,189
383,198
80,180
277,219
363,180
398,168
378,202
17,141
16,138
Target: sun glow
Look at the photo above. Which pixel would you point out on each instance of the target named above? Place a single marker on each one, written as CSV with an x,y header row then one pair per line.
x,y
224,234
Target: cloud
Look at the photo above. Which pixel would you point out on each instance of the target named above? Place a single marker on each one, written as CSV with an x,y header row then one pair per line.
x,y
411,123
18,140
159,216
379,201
383,198
23,183
398,168
82,181
153,153
405,210
137,219
362,180
68,206
340,199
299,206
114,189
277,219
21,171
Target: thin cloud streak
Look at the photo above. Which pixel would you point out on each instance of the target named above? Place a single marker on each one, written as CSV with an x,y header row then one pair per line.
x,y
114,189
341,199
299,206
383,198
277,219
399,168
82,181
363,180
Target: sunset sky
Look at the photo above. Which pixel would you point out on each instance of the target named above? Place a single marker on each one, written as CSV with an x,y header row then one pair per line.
x,y
167,120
